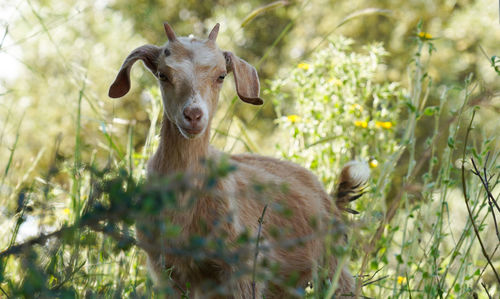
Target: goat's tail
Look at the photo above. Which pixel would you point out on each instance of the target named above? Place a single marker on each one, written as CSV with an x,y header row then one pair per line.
x,y
351,185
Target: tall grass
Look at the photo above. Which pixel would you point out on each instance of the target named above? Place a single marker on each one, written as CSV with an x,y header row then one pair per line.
x,y
412,239
417,234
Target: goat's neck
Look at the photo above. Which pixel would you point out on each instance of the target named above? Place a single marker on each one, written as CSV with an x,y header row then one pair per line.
x,y
177,153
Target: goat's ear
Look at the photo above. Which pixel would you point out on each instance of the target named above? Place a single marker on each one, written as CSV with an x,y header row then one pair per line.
x,y
245,79
148,54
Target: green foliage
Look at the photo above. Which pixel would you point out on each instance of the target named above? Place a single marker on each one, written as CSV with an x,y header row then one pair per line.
x,y
67,261
495,63
334,109
73,161
340,113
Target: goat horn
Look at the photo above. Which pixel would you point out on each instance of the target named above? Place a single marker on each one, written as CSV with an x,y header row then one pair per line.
x,y
170,32
213,34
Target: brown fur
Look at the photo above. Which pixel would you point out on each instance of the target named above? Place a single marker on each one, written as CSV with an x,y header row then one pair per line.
x,y
289,186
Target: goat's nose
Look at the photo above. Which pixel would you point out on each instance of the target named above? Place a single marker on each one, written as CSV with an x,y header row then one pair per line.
x,y
193,115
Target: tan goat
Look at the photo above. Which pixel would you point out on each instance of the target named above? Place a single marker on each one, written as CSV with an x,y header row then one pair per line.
x,y
190,72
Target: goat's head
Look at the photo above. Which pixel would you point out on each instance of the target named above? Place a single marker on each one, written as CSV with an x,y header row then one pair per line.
x,y
190,73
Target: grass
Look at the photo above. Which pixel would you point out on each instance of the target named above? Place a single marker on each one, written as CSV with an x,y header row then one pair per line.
x,y
418,247
428,223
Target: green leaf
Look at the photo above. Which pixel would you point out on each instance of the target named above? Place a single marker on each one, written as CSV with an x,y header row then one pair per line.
x,y
410,106
429,111
399,258
451,142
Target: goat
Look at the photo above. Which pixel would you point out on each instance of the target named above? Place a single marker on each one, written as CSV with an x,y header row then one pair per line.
x,y
190,72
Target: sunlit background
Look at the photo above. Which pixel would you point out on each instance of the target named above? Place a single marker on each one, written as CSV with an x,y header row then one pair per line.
x,y
58,57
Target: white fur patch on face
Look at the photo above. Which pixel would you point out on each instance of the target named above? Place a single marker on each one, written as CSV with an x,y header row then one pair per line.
x,y
208,59
203,105
203,55
185,66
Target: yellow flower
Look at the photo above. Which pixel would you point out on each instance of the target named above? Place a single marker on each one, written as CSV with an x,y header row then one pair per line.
x,y
303,65
66,211
424,35
383,124
373,163
357,107
401,279
361,123
335,81
293,118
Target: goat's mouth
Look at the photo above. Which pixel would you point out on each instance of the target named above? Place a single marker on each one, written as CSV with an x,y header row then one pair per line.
x,y
191,133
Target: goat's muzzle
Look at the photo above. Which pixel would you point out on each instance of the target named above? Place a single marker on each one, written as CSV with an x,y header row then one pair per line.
x,y
193,122
192,115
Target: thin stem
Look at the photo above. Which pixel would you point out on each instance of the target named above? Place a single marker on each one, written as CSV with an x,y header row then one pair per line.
x,y
486,289
491,200
466,198
3,291
254,271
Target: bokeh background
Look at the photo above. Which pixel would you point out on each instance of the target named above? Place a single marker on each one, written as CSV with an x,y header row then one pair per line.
x,y
58,58
53,50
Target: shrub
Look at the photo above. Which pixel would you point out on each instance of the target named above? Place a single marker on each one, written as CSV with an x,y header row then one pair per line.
x,y
333,109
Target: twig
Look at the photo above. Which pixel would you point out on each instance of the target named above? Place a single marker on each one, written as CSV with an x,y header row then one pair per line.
x,y
3,291
14,249
371,277
486,266
92,223
464,189
486,289
254,271
374,281
491,200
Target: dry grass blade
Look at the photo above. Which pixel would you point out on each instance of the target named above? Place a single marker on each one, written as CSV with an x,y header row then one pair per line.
x,y
4,36
363,12
354,15
262,10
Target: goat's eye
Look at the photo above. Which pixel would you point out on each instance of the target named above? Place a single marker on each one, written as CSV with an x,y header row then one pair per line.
x,y
162,77
221,78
